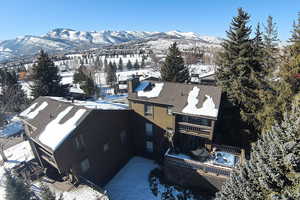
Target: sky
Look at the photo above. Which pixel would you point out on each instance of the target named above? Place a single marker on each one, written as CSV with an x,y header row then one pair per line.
x,y
206,17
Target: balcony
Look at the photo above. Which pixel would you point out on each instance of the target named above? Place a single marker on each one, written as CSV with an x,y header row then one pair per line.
x,y
212,165
193,129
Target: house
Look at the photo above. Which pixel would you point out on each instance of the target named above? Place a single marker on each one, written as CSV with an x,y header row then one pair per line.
x,y
172,123
78,139
189,112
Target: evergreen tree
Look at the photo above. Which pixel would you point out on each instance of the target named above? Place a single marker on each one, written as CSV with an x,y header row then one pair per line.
x,y
111,76
143,62
173,69
46,193
16,188
136,64
273,169
241,71
120,66
129,65
85,81
270,39
46,79
105,65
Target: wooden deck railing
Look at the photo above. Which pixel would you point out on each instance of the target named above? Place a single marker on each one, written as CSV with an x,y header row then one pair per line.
x,y
193,128
180,162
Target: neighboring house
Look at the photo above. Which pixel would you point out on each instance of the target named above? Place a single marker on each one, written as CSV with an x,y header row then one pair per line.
x,y
79,140
189,112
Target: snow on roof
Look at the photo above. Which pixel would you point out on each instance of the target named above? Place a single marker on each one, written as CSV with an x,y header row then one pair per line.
x,y
154,92
28,110
208,107
97,104
55,132
33,113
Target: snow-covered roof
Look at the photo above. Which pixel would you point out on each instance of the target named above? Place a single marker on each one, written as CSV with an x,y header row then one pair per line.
x,y
191,99
208,107
56,132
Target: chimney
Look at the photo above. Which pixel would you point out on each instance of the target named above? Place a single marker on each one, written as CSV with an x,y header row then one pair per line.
x,y
133,83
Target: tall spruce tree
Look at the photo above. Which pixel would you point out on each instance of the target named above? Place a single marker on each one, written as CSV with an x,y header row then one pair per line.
x,y
120,65
46,79
16,188
85,81
240,69
111,76
136,64
273,169
173,69
129,65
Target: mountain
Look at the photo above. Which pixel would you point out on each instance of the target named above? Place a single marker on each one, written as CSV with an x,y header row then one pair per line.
x,y
63,40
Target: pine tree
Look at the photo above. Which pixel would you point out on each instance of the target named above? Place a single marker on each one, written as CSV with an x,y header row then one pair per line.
x,y
143,62
120,66
273,169
241,71
85,81
105,65
16,188
173,69
111,76
46,78
136,64
270,39
129,65
46,193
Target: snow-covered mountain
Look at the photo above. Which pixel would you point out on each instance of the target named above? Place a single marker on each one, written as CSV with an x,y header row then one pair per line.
x,y
60,39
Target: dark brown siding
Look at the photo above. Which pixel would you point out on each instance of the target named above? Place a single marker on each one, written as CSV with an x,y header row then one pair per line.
x,y
160,120
98,128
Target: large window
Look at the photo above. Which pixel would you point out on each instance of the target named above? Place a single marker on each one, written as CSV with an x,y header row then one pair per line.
x,y
148,109
149,129
149,146
196,120
85,165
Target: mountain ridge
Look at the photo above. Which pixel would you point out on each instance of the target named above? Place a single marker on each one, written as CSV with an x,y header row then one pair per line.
x,y
65,39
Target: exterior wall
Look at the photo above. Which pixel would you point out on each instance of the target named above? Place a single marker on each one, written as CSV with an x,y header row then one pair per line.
x,y
160,119
99,128
193,178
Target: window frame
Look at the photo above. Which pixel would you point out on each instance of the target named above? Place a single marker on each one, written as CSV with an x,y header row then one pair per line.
x,y
106,147
85,165
146,110
151,149
147,124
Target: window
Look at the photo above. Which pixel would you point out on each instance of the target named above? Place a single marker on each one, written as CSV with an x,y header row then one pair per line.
x,y
169,110
123,137
85,165
79,143
149,146
149,129
105,147
148,109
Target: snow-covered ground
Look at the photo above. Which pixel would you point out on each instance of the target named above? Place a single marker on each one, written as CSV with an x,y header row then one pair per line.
x,y
131,182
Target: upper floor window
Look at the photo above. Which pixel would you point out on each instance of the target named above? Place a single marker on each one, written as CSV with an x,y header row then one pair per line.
x,y
149,146
105,147
85,165
149,129
169,110
148,109
123,137
79,142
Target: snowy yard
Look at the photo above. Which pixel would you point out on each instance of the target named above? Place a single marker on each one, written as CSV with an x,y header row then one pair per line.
x,y
132,183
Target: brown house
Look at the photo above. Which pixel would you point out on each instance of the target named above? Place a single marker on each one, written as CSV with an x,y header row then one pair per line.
x,y
189,113
173,123
75,141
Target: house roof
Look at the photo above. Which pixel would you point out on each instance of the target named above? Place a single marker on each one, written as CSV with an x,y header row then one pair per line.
x,y
53,119
60,117
188,99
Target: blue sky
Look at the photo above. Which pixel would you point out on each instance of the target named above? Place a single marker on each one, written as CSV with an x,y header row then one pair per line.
x,y
206,17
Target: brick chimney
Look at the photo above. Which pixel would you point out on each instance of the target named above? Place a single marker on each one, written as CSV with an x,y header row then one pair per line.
x,y
133,83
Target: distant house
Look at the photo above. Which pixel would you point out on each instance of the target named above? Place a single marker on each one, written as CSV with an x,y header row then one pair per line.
x,y
75,140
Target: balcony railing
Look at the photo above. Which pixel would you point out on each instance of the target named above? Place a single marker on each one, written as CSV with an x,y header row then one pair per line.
x,y
193,129
186,162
